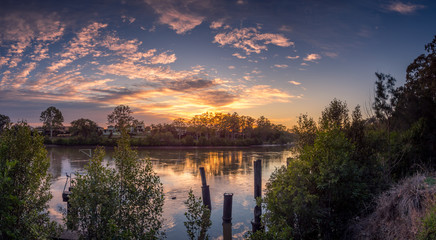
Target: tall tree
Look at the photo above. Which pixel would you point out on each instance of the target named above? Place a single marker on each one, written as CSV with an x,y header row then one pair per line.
x,y
121,117
24,185
83,127
52,119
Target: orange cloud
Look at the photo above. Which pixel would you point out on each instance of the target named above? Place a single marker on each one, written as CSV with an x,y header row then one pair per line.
x,y
312,57
251,40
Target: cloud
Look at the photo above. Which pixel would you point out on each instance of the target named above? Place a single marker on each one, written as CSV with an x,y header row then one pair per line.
x,y
251,40
304,64
81,45
312,57
331,54
404,8
285,28
290,57
190,84
294,82
163,58
239,56
128,19
179,17
280,65
19,30
216,24
259,95
230,67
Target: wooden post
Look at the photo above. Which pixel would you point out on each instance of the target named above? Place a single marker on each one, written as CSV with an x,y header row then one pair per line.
x,y
257,178
227,216
227,208
205,192
257,193
203,176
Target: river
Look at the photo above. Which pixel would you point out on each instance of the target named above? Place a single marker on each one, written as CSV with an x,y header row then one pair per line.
x,y
228,170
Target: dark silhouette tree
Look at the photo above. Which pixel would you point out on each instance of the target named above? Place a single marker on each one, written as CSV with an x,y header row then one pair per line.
x,y
52,119
83,128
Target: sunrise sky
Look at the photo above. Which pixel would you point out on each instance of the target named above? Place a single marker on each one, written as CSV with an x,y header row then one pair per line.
x,y
169,59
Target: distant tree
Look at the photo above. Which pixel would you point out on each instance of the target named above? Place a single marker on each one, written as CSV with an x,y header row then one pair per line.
x,y
52,118
198,218
121,117
83,127
24,185
180,125
125,203
4,122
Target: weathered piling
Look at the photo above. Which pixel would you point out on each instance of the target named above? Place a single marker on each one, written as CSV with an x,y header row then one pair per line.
x,y
257,194
205,192
227,208
257,178
227,216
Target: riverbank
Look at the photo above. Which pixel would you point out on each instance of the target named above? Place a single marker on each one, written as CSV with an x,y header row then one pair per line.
x,y
150,141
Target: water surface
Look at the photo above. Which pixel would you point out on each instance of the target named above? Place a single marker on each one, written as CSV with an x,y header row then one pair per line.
x,y
228,170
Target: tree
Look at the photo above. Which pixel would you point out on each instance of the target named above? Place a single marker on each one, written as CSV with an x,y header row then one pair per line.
x,y
52,118
125,203
121,117
198,218
83,128
24,185
4,122
335,115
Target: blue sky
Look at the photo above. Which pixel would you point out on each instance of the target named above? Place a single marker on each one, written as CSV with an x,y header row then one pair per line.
x,y
170,59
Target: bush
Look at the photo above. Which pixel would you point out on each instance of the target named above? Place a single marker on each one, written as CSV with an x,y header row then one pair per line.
x,y
24,185
125,203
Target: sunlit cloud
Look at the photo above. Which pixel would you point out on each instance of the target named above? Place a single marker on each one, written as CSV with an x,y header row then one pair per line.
x,y
292,57
216,24
230,67
239,56
404,8
294,82
80,46
180,19
251,40
304,64
23,29
312,57
280,65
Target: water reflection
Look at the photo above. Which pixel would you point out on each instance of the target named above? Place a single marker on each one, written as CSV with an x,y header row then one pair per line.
x,y
227,170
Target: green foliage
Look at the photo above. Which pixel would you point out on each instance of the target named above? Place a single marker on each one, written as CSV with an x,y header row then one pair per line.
x,y
319,192
123,203
4,122
198,218
121,117
24,185
52,119
93,203
327,184
84,128
428,227
335,115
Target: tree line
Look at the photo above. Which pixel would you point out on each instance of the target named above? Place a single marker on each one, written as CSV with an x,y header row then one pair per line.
x,y
216,129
